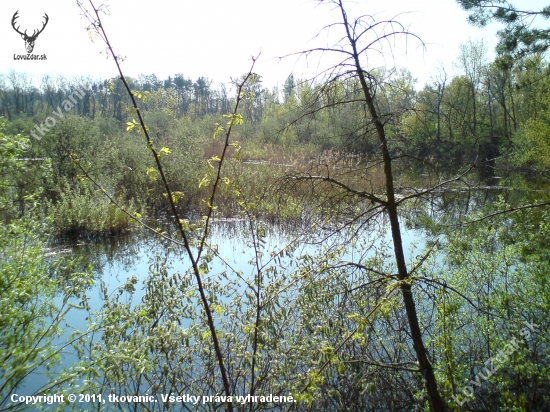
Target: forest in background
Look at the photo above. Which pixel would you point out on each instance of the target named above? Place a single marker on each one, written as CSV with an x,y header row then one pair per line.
x,y
493,115
315,153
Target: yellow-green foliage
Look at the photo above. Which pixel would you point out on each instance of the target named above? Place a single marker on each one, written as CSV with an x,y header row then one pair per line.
x,y
533,142
31,318
86,209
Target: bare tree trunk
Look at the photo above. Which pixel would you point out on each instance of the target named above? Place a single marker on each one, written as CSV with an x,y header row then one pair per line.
x,y
436,401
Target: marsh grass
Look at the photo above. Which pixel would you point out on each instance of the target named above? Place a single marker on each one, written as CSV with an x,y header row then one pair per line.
x,y
87,212
263,187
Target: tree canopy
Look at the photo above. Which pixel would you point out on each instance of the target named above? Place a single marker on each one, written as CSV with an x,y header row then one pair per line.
x,y
521,35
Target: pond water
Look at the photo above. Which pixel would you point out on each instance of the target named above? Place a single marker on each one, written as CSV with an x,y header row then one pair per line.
x,y
117,259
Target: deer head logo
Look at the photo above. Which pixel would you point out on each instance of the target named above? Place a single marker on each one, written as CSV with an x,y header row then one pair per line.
x,y
29,40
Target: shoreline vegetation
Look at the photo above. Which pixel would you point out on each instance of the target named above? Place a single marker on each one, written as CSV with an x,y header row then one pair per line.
x,y
448,125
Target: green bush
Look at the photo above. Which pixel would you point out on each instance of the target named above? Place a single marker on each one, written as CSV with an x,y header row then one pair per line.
x,y
31,321
83,209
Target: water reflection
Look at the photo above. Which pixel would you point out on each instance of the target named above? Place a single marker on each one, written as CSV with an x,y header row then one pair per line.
x,y
116,259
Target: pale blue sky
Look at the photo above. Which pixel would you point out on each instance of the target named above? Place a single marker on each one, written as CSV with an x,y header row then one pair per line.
x,y
215,38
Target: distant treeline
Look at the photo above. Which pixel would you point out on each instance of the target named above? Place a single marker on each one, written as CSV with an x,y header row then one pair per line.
x,y
490,111
107,98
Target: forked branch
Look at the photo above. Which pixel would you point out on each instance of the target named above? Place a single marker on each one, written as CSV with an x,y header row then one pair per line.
x,y
96,25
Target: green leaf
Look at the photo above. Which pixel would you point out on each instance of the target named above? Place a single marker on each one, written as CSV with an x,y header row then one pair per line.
x,y
218,130
152,173
165,151
205,181
131,125
141,96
